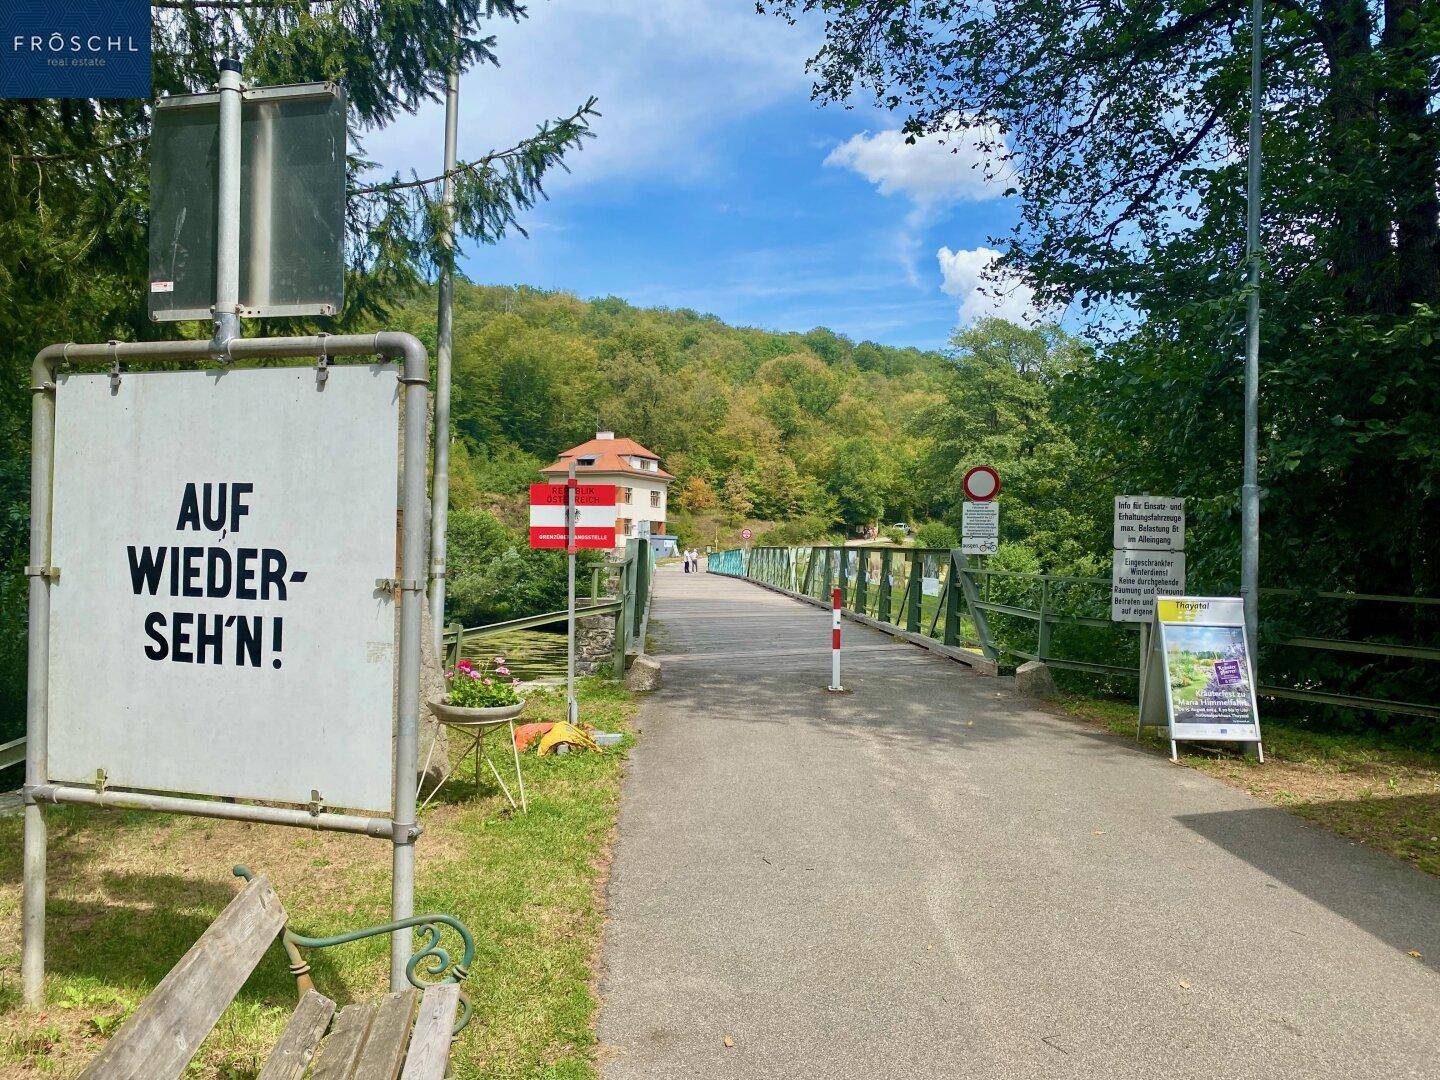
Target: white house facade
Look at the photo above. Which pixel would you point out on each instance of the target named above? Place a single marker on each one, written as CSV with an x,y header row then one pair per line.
x,y
644,487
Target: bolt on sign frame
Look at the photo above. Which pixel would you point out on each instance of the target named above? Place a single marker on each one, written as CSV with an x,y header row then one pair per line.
x,y
40,790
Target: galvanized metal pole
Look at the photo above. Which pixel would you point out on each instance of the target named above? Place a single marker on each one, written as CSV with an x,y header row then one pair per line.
x,y
227,219
415,378
444,331
572,707
1250,487
37,694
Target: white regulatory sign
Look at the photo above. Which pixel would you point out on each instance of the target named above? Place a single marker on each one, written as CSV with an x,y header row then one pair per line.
x,y
980,528
1137,577
1149,523
217,628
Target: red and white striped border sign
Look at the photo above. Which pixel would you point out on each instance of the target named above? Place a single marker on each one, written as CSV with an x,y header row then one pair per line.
x,y
595,524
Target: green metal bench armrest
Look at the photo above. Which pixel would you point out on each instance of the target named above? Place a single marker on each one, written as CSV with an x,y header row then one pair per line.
x,y
430,965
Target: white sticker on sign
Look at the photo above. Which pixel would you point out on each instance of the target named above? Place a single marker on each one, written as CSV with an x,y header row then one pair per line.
x,y
162,286
1149,523
219,630
1137,577
980,528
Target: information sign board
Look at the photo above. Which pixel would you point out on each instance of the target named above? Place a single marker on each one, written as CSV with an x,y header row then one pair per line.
x,y
595,522
1199,670
980,528
1137,577
218,629
1149,523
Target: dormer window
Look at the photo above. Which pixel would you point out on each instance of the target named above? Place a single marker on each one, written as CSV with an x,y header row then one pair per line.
x,y
585,461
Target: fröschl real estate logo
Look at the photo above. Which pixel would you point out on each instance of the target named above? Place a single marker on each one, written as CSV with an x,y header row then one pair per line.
x,y
74,48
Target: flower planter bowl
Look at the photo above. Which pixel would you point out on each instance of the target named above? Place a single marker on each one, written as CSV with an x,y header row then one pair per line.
x,y
460,716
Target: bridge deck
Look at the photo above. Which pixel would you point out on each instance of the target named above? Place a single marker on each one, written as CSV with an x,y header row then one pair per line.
x,y
929,878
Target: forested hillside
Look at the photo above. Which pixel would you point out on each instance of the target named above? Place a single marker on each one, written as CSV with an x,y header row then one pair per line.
x,y
756,424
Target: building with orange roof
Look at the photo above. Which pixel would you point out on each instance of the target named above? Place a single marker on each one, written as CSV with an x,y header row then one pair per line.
x,y
643,485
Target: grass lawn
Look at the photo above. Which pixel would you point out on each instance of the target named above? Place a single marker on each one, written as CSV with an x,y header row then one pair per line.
x,y
130,892
1360,786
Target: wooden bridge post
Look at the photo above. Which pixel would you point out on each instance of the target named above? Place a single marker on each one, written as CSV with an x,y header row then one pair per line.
x,y
882,606
952,600
917,584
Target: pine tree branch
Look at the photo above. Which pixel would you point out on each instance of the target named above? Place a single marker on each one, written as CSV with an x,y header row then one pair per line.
x,y
479,165
78,155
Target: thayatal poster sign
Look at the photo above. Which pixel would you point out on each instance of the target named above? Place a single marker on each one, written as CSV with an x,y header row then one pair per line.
x,y
75,49
217,628
1200,660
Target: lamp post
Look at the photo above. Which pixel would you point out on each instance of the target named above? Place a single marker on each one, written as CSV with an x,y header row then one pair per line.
x,y
1250,489
444,333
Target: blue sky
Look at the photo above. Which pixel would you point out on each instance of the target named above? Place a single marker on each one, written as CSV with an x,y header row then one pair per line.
x,y
715,183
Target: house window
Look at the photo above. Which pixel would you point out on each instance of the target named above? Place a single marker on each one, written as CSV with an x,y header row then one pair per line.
x,y
626,526
654,498
625,494
585,461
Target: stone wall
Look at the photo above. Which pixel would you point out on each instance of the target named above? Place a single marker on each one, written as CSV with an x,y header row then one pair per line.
x,y
594,643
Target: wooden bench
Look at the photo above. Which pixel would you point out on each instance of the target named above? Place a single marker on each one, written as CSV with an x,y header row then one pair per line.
x,y
405,1034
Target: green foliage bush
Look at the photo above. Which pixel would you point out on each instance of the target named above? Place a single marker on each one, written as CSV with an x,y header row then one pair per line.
x,y
936,534
494,574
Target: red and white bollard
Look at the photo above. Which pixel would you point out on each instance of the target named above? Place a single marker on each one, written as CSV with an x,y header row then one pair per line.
x,y
835,686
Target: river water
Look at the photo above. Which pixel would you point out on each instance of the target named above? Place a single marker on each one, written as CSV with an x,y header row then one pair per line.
x,y
529,654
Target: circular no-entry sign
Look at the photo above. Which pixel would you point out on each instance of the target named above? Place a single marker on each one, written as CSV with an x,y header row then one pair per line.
x,y
746,534
982,483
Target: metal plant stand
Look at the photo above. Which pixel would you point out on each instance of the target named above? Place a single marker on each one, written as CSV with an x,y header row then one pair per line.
x,y
477,724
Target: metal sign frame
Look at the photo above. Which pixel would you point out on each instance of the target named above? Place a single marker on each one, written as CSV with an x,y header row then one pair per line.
x,y
214,100
401,827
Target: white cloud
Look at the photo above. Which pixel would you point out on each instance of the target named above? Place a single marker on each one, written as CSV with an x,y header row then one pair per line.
x,y
933,172
984,292
669,78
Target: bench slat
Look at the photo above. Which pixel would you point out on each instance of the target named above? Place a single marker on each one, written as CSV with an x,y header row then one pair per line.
x,y
430,1045
389,1032
339,1053
162,1035
302,1035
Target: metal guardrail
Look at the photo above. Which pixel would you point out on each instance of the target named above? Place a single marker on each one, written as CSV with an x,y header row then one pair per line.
x,y
12,753
634,576
936,583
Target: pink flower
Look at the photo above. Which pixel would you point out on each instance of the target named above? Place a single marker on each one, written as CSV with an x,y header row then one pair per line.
x,y
502,670
489,682
499,659
449,674
465,665
473,675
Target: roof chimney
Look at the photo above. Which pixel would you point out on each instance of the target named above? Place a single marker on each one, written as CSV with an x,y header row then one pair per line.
x,y
604,434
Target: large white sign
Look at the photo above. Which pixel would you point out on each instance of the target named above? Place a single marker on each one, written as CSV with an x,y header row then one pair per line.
x,y
980,528
1149,523
1137,577
217,628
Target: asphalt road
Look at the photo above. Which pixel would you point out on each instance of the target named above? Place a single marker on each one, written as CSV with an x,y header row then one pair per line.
x,y
929,878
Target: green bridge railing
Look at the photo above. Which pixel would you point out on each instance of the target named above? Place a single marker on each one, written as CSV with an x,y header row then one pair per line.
x,y
1064,621
632,575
